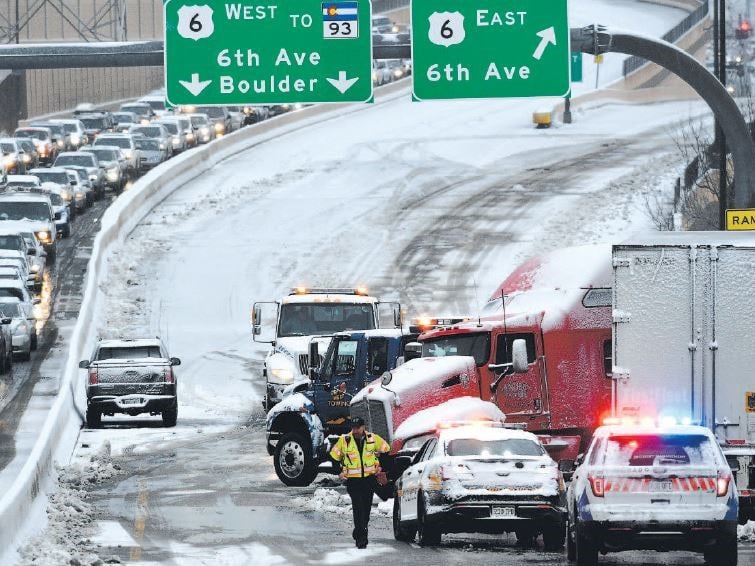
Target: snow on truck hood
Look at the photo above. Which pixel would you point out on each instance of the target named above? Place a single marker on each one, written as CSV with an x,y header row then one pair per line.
x,y
293,346
419,374
460,409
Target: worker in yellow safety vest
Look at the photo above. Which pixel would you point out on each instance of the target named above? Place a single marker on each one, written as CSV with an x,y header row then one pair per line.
x,y
358,453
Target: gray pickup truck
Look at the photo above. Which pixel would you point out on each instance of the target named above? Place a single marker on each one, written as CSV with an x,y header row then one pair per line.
x,y
131,377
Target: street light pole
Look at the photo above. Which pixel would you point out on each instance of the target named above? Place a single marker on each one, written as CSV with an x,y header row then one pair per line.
x,y
723,194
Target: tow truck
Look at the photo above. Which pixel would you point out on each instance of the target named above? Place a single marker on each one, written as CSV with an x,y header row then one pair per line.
x,y
303,314
315,411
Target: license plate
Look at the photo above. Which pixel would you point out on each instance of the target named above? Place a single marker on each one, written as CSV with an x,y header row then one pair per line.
x,y
132,401
503,512
662,486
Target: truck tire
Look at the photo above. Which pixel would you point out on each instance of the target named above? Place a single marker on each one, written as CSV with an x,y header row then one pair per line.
x,y
170,417
554,534
429,534
724,553
293,460
401,532
94,417
587,550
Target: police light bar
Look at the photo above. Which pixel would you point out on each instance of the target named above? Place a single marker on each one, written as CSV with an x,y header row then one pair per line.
x,y
424,323
362,291
647,421
483,423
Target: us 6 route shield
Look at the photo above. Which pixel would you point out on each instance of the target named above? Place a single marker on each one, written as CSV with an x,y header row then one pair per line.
x,y
297,51
490,49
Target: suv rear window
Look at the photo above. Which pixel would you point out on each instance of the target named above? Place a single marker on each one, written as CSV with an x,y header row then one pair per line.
x,y
503,448
658,450
127,353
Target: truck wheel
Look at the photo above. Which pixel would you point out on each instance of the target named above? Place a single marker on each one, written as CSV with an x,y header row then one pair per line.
x,y
724,553
94,417
170,416
401,532
587,550
571,546
293,460
554,534
429,534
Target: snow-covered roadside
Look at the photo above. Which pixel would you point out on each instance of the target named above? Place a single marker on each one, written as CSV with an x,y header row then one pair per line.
x,y
70,518
337,502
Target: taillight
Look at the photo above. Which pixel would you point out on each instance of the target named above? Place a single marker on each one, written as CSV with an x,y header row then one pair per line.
x,y
598,485
92,377
169,375
722,485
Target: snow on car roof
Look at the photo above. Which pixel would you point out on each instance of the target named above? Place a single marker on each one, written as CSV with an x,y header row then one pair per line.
x,y
691,238
461,408
649,430
483,432
129,343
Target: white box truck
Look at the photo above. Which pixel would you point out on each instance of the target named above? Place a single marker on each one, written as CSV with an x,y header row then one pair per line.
x,y
684,339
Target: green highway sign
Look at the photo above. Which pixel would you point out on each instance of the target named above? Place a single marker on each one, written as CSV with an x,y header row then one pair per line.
x,y
298,51
576,67
490,49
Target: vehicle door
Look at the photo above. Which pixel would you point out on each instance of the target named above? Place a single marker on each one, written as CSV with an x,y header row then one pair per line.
x,y
377,363
410,481
334,388
522,394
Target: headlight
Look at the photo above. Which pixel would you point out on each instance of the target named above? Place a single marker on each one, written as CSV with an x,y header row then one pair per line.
x,y
397,73
60,143
280,369
10,161
43,236
144,122
282,375
93,177
374,76
75,139
66,195
205,131
128,153
80,196
112,174
219,127
35,268
26,158
176,140
163,145
190,136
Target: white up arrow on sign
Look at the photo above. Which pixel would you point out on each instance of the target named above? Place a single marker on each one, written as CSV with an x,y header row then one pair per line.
x,y
342,84
195,86
547,36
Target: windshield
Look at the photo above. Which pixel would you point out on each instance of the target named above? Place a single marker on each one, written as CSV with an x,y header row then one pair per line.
x,y
128,353
103,154
23,184
198,121
54,128
70,128
658,450
302,319
11,242
148,131
36,134
503,448
124,118
7,147
82,160
137,109
10,309
156,104
24,211
213,112
148,144
476,345
172,128
51,177
93,123
120,142
26,145
55,199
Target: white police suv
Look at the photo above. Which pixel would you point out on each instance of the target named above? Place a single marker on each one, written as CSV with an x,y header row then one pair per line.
x,y
653,485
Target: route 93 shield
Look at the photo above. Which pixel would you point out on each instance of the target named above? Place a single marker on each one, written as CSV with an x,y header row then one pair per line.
x,y
195,22
446,28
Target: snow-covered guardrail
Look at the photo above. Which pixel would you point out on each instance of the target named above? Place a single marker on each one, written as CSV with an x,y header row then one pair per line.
x,y
21,507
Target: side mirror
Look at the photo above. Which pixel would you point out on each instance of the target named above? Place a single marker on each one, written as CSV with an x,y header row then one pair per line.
x,y
6,320
33,251
567,466
402,463
519,356
57,217
733,464
84,364
175,361
257,320
412,351
386,379
74,183
579,460
398,317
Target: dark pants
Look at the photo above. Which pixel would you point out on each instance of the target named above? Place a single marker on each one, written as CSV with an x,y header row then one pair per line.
x,y
361,490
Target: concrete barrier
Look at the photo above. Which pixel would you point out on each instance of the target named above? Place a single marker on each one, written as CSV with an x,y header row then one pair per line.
x,y
21,504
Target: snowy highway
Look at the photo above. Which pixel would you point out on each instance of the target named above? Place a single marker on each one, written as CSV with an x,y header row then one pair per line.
x,y
425,204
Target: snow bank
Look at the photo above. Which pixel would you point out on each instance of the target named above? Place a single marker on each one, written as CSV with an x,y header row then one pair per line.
x,y
57,437
746,532
325,500
461,409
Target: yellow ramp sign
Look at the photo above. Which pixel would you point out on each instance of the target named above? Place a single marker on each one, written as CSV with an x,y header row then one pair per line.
x,y
740,219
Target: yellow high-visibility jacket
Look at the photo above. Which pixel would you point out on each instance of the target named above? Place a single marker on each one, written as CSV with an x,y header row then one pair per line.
x,y
358,465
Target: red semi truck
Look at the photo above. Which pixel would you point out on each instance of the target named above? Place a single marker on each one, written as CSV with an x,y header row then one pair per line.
x,y
559,306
